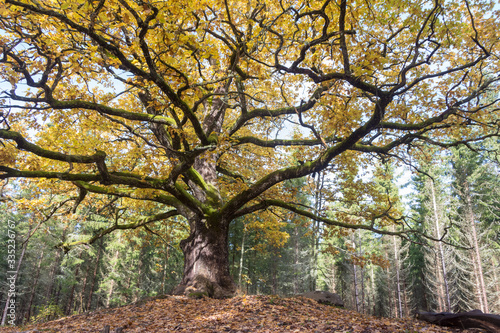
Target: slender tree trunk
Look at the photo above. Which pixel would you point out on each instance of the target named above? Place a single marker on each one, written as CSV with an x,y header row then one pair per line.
x,y
399,313
52,275
314,258
274,273
82,292
362,273
164,275
373,289
129,283
439,282
94,276
69,306
389,288
318,206
112,283
296,260
475,244
356,294
251,257
35,284
440,246
206,261
240,269
477,290
140,264
333,283
55,270
362,290
405,298
58,294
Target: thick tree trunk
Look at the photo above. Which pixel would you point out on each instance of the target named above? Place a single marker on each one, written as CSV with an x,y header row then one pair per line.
x,y
206,262
206,251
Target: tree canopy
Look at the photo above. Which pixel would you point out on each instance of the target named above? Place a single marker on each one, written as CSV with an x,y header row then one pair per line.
x,y
205,108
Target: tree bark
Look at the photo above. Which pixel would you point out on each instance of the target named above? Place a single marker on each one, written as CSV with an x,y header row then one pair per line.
x,y
206,262
206,251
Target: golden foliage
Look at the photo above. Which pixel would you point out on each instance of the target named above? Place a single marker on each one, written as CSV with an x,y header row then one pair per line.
x,y
243,86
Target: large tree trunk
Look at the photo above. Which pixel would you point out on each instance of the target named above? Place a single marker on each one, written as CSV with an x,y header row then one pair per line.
x,y
206,251
206,262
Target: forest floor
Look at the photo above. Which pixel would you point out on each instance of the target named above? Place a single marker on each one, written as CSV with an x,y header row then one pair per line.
x,y
236,315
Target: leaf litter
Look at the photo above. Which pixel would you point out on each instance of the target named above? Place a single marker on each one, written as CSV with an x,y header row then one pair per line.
x,y
240,314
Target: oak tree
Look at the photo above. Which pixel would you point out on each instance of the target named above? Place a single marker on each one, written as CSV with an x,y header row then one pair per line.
x,y
197,106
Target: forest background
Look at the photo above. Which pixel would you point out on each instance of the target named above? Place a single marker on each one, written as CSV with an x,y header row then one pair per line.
x,y
373,274
249,147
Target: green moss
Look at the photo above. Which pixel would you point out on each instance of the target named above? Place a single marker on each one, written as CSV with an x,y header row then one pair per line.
x,y
213,138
